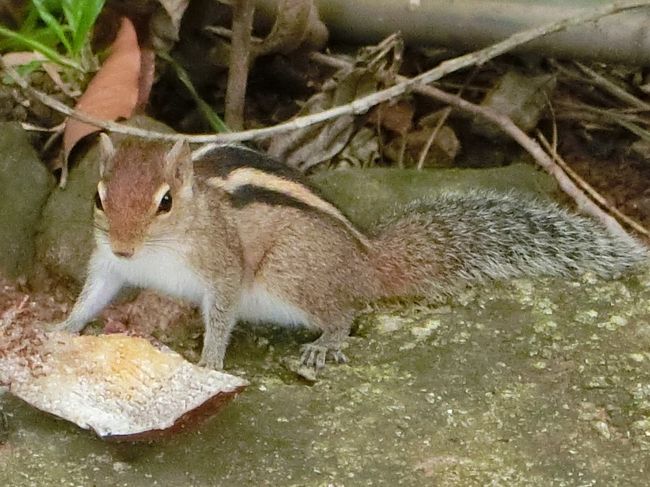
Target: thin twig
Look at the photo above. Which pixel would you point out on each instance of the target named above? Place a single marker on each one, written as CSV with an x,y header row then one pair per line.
x,y
583,203
533,148
84,117
613,88
331,61
358,106
609,113
443,118
434,133
361,105
240,46
551,109
628,122
590,189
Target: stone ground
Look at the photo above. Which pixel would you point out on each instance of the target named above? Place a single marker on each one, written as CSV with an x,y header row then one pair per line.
x,y
530,382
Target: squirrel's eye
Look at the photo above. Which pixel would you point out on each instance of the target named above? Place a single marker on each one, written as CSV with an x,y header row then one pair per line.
x,y
165,203
98,202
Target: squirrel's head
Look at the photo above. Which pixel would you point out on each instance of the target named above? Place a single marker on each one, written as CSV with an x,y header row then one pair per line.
x,y
144,188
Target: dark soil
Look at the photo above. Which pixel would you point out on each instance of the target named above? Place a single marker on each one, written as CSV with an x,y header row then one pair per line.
x,y
604,162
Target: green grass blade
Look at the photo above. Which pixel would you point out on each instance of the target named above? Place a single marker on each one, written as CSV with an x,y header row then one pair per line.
x,y
88,12
30,22
43,36
42,48
52,23
210,115
71,14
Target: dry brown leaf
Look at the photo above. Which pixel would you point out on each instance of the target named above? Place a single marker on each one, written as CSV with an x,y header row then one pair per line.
x,y
22,57
441,153
113,92
397,117
520,96
52,69
296,23
165,24
147,72
307,147
120,386
444,149
361,151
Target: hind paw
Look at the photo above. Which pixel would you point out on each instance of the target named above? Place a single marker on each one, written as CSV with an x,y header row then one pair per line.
x,y
315,355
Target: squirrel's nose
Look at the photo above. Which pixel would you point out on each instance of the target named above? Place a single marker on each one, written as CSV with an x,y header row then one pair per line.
x,y
122,247
126,254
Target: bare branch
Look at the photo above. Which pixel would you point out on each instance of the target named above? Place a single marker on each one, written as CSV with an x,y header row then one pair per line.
x,y
534,149
242,24
590,190
613,88
357,106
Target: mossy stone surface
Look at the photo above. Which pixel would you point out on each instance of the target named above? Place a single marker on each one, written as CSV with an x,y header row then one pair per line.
x,y
533,382
365,195
25,184
65,239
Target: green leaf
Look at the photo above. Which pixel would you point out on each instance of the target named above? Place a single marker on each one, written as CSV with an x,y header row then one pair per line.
x,y
27,69
42,48
51,26
30,23
88,11
71,14
52,23
210,115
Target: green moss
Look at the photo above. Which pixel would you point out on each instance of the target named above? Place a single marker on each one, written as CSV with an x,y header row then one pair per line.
x,y
25,184
529,382
523,384
367,194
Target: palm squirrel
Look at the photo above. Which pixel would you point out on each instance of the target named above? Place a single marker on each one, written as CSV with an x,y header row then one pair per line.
x,y
246,238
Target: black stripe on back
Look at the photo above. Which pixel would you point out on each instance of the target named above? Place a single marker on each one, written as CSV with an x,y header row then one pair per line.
x,y
248,194
224,159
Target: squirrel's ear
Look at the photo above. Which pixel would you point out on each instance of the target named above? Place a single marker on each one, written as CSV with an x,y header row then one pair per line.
x,y
178,162
106,153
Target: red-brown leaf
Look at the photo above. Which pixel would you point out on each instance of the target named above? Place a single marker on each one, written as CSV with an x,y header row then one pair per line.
x,y
147,72
114,91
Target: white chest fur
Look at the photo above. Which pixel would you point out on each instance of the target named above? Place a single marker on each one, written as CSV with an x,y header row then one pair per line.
x,y
166,271
257,304
159,269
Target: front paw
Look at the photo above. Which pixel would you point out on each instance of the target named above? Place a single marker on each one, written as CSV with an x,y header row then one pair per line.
x,y
210,362
67,327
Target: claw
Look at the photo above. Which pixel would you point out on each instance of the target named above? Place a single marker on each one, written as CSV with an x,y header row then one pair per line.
x,y
339,357
315,356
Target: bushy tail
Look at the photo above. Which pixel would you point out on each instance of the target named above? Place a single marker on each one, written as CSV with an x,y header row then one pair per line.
x,y
431,248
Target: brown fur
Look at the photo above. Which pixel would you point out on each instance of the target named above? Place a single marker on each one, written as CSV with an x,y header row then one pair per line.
x,y
300,252
131,181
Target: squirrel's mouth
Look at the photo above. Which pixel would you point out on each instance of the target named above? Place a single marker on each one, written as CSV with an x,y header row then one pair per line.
x,y
123,254
122,251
